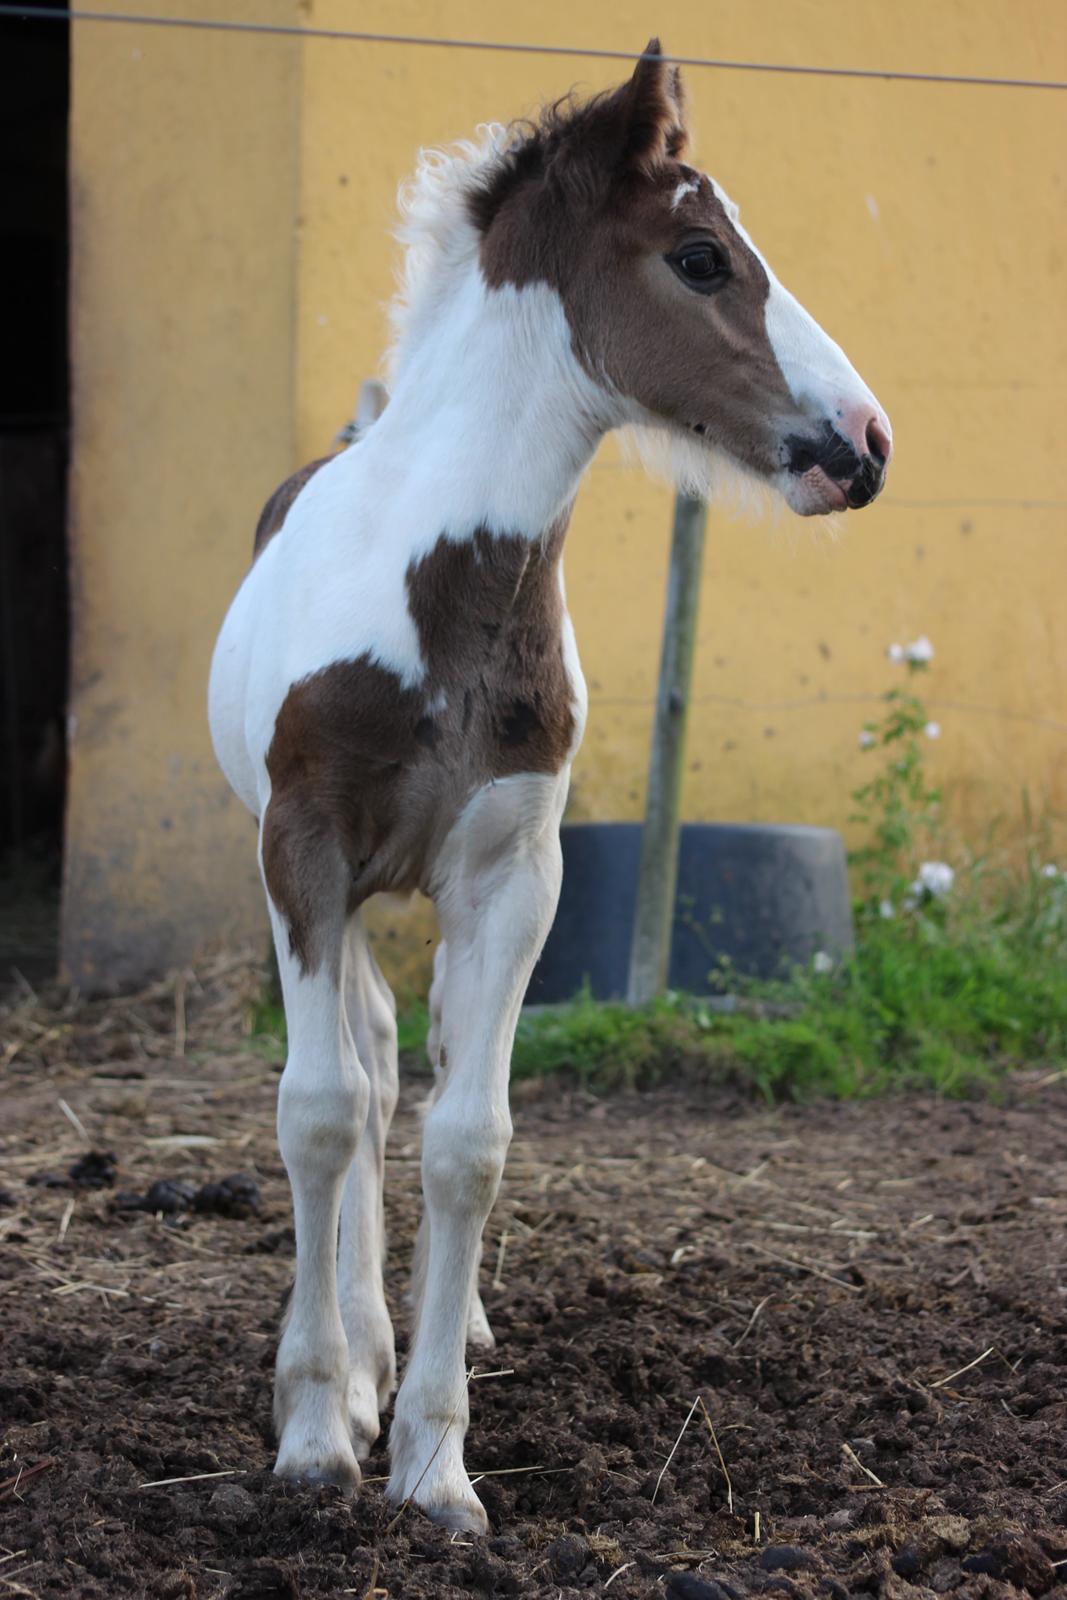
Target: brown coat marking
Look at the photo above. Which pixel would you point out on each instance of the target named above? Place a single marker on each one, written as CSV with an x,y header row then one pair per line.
x,y
277,507
367,779
583,203
704,361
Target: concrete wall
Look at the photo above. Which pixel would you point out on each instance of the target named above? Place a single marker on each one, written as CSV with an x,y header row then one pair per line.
x,y
183,193
920,224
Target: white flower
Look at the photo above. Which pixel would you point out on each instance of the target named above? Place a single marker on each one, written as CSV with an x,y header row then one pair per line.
x,y
885,910
935,879
933,730
822,961
919,649
1050,870
866,739
895,652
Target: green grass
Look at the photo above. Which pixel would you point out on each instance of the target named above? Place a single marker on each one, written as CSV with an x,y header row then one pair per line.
x,y
950,997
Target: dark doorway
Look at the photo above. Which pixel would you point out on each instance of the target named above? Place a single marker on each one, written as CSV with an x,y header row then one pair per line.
x,y
34,435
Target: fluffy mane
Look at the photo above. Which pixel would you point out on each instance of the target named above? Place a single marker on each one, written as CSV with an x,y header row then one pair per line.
x,y
582,146
437,229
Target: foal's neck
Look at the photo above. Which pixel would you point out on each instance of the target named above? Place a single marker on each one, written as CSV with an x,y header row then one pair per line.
x,y
492,420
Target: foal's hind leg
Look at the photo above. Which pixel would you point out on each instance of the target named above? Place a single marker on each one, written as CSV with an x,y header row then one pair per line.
x,y
322,1107
371,1350
499,882
479,1333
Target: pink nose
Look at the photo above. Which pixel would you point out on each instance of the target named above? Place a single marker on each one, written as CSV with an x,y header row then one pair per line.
x,y
867,431
878,437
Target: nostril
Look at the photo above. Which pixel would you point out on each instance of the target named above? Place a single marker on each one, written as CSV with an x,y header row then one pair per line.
x,y
879,441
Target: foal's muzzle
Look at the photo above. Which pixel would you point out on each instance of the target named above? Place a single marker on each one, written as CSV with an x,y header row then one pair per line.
x,y
859,474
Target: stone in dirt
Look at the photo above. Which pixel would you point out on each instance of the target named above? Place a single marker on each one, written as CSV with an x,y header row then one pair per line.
x,y
232,1507
688,1586
266,1580
784,1558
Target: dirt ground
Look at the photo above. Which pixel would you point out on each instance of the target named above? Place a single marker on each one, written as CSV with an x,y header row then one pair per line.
x,y
869,1300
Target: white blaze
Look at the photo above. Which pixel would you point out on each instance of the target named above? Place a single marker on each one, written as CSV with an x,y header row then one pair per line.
x,y
817,372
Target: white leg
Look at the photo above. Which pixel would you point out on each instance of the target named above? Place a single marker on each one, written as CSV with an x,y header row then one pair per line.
x,y
497,886
371,1349
479,1333
322,1107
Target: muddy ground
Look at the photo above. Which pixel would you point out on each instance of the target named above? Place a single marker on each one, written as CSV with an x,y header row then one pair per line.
x,y
869,1299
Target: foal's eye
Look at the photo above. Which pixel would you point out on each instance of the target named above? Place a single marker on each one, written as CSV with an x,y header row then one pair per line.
x,y
701,266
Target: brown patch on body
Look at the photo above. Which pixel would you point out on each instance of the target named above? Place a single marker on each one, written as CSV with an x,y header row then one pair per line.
x,y
368,776
277,507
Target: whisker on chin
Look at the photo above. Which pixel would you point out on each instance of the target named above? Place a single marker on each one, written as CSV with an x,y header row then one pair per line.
x,y
692,466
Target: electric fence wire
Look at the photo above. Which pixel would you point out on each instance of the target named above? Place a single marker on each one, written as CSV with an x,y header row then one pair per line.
x,y
359,36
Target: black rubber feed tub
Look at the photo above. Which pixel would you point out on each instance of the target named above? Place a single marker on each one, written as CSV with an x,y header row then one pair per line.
x,y
764,896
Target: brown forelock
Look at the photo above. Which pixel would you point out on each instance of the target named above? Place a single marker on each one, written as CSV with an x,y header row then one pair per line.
x,y
699,360
276,509
367,775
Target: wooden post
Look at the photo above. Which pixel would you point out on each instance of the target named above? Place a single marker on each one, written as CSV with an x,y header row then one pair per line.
x,y
650,948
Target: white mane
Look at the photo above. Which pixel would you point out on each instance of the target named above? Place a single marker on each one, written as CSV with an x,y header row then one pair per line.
x,y
438,234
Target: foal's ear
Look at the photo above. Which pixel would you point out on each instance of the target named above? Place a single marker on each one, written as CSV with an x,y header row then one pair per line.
x,y
652,110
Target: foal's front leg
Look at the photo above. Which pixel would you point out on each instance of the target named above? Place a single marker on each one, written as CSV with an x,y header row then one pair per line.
x,y
322,1107
371,1348
479,1333
501,875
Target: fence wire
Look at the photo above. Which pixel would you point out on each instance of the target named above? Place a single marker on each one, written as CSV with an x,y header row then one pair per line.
x,y
362,36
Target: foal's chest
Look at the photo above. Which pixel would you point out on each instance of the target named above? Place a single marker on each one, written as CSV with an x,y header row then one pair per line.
x,y
489,615
384,768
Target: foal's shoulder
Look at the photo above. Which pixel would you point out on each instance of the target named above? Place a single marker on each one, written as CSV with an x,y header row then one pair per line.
x,y
276,509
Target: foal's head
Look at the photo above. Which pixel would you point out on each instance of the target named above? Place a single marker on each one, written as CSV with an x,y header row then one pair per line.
x,y
672,309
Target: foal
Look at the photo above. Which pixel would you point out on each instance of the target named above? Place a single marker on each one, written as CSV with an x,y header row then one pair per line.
x,y
396,693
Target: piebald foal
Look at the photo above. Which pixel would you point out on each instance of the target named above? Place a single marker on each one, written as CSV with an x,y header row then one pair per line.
x,y
396,693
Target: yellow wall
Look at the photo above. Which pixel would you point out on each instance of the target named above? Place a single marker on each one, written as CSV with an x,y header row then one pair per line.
x,y
920,224
183,191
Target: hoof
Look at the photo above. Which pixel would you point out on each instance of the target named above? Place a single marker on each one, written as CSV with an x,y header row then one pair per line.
x,y
462,1516
314,1437
449,1501
339,1470
428,1469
